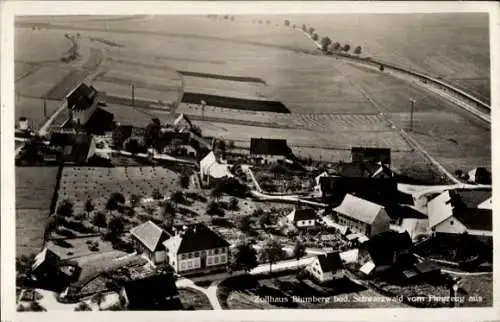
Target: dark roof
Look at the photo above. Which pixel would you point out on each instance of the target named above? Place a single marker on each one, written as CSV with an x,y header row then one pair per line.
x,y
269,146
151,293
199,237
384,246
183,138
125,131
100,121
330,262
379,191
75,146
470,198
397,211
304,214
150,235
356,169
475,218
426,267
82,97
368,154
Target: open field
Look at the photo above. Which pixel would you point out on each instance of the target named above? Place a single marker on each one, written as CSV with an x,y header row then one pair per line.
x,y
36,84
32,108
34,190
26,39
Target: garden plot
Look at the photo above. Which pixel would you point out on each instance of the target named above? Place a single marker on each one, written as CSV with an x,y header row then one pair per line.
x,y
80,183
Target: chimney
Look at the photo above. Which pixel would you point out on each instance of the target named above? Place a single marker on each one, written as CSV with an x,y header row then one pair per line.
x,y
23,123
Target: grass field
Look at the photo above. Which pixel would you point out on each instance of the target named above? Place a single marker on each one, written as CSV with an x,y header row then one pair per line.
x,y
34,190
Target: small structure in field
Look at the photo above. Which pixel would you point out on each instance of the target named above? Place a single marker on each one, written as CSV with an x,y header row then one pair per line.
x,y
197,249
269,150
148,239
212,171
326,267
362,216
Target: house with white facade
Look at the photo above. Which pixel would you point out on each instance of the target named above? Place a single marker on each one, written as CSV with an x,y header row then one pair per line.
x,y
326,267
362,216
302,218
212,171
197,248
462,211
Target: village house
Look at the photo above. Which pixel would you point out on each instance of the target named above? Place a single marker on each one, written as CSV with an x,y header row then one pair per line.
x,y
182,123
73,147
82,103
212,171
461,211
148,240
326,267
387,252
362,216
196,248
153,293
269,150
479,176
408,218
302,217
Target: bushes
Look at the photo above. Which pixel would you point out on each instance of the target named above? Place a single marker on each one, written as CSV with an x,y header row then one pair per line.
x,y
222,222
65,232
196,196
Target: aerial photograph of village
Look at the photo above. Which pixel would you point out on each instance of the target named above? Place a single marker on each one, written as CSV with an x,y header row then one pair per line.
x,y
229,162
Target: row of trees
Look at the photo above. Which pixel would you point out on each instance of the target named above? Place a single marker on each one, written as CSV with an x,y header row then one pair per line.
x,y
245,256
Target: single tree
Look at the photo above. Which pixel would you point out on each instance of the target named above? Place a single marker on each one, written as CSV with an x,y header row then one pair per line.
x,y
116,226
381,68
244,257
272,252
132,146
265,219
196,130
100,220
230,144
357,50
35,307
177,197
89,206
50,227
82,306
65,209
115,200
336,46
118,137
168,213
315,37
98,299
24,264
214,209
311,30
233,204
157,195
304,28
346,48
245,223
134,200
216,192
325,43
294,26
299,250
184,180
287,23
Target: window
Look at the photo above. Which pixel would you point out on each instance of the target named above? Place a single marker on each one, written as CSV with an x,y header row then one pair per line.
x,y
209,260
216,260
183,256
190,255
196,254
183,266
223,258
216,251
190,264
451,222
209,252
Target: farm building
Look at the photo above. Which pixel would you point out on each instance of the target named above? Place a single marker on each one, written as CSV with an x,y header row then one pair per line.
x,y
326,267
479,176
212,171
362,216
408,218
302,218
82,103
371,155
148,240
380,191
462,210
385,252
157,292
269,150
197,248
72,147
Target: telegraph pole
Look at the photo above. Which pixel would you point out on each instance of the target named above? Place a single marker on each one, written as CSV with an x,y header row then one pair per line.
x,y
45,108
133,95
412,107
203,104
